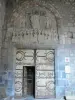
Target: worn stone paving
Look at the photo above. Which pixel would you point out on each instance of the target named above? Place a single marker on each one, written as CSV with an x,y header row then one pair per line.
x,y
31,98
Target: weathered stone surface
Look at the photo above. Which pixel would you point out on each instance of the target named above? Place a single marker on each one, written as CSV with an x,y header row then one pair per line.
x,y
22,29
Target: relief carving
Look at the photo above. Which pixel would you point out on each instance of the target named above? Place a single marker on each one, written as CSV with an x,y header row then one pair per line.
x,y
34,25
18,86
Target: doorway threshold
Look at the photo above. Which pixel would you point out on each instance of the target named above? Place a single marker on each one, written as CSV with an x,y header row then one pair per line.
x,y
32,98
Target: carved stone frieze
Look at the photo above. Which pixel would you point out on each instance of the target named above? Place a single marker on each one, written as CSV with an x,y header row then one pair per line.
x,y
34,22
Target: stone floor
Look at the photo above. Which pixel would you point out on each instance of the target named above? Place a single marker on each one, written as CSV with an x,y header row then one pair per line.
x,y
29,98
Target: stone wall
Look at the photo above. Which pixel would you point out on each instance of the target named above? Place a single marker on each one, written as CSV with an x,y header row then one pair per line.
x,y
2,17
62,13
65,60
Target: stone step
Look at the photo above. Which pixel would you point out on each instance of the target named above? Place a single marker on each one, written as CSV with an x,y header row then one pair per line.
x,y
30,98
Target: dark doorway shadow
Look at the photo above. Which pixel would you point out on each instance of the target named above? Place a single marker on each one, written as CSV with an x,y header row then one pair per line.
x,y
30,79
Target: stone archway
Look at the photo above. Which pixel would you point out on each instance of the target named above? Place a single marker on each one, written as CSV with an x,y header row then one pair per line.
x,y
34,24
44,34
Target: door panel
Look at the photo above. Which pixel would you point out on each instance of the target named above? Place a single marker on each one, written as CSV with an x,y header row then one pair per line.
x,y
45,74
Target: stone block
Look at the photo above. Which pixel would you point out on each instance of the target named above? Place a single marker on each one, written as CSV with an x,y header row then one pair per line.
x,y
67,40
60,92
63,75
61,82
65,29
59,75
73,41
69,97
4,53
72,29
61,67
4,60
74,35
70,24
5,45
2,92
